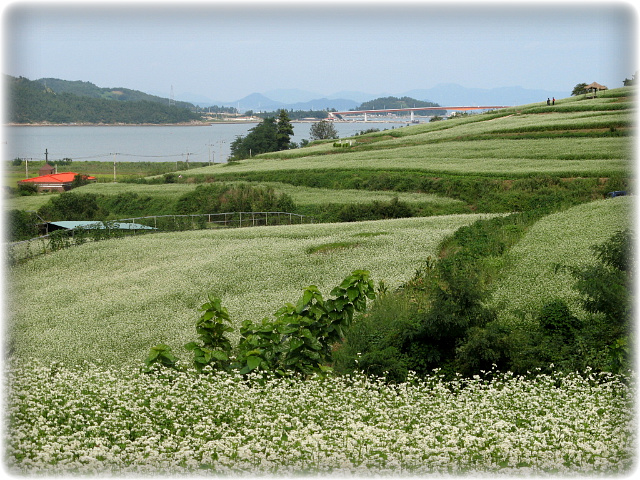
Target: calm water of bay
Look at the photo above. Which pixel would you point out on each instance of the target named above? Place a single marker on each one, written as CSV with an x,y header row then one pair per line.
x,y
145,143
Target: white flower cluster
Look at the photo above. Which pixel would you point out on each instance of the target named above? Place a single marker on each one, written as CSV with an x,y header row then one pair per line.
x,y
96,420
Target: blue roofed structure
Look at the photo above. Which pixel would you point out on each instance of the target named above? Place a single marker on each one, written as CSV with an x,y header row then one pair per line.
x,y
91,224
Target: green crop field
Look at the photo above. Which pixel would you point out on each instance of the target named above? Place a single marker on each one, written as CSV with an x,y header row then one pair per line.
x,y
559,156
80,321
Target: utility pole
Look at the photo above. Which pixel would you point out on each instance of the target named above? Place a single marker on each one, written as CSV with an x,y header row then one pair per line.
x,y
220,142
210,145
114,167
187,154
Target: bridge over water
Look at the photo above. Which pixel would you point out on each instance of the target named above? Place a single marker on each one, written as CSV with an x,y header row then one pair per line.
x,y
337,115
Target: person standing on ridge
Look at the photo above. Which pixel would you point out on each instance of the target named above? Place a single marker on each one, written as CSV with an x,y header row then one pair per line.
x,y
553,102
548,102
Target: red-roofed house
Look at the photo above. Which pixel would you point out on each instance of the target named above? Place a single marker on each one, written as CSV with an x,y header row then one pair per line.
x,y
55,182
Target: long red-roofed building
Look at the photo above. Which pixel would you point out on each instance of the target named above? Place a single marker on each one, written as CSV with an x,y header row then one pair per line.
x,y
56,182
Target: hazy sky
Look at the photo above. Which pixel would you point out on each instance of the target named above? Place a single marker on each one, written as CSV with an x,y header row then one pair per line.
x,y
226,51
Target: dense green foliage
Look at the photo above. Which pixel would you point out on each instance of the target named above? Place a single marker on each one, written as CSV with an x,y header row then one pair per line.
x,y
357,212
31,102
270,135
73,206
300,340
20,225
440,320
88,89
284,131
260,139
323,130
212,328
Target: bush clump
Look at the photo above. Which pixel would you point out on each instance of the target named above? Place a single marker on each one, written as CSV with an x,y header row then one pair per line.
x,y
220,198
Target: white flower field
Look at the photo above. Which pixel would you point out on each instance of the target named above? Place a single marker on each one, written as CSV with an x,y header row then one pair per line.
x,y
112,300
103,420
565,238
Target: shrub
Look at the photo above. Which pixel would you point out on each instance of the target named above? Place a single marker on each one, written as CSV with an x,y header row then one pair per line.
x,y
73,206
556,318
21,225
376,342
27,189
374,211
300,339
220,198
212,329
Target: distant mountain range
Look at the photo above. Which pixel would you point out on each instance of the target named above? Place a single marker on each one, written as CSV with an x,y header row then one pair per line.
x,y
448,95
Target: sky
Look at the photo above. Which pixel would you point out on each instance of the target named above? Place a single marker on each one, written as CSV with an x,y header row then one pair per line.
x,y
228,50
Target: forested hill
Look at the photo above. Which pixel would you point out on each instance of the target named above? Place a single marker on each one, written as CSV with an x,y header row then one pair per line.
x,y
88,89
394,102
60,101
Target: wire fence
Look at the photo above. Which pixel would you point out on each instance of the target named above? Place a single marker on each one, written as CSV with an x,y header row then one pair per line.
x,y
59,239
219,220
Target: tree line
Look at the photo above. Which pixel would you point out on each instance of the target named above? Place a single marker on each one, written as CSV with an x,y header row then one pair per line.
x,y
274,134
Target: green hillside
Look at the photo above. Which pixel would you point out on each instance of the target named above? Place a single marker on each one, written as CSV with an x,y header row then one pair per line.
x,y
521,158
81,102
88,89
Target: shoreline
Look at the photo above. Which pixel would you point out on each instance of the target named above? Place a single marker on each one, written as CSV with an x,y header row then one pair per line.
x,y
185,124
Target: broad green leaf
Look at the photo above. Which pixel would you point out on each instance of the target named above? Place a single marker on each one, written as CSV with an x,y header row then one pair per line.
x,y
219,355
253,362
295,343
287,329
353,293
153,354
